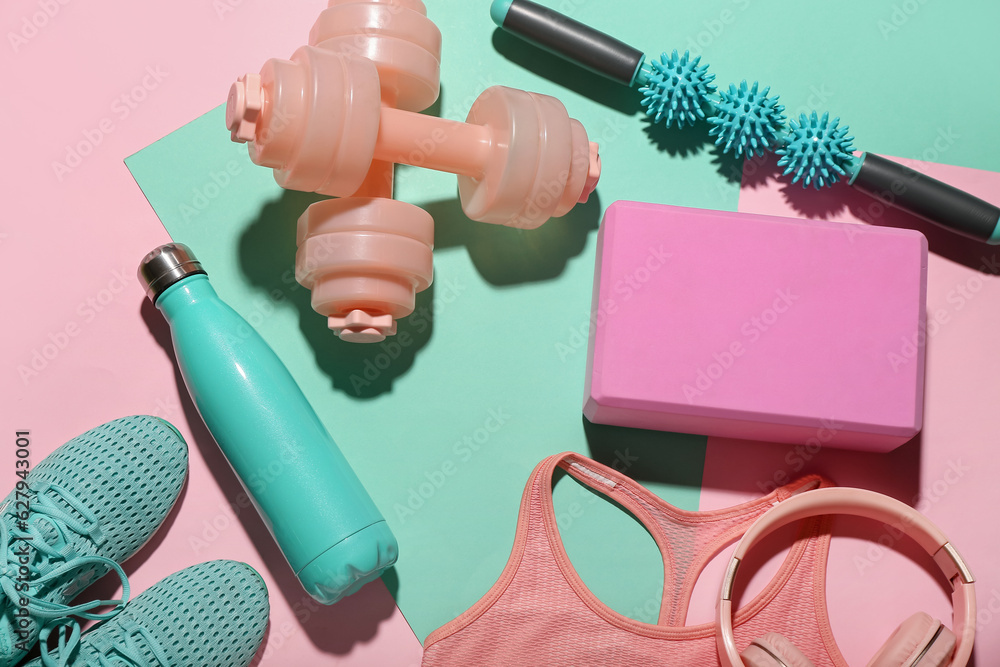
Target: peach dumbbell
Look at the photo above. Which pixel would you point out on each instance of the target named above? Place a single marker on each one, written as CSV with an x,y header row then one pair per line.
x,y
318,121
405,46
338,115
397,36
365,257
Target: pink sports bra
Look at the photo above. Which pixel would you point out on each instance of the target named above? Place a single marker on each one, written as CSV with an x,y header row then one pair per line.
x,y
540,612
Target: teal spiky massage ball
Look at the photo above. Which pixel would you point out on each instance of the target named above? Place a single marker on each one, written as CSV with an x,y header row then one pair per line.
x,y
676,90
817,151
746,120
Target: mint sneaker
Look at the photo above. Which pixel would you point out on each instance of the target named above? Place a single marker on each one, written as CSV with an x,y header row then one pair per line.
x,y
92,503
208,615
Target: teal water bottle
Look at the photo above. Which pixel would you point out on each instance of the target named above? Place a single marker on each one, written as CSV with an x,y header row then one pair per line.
x,y
322,518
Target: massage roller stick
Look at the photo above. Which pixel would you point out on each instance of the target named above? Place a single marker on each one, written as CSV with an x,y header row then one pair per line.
x,y
748,121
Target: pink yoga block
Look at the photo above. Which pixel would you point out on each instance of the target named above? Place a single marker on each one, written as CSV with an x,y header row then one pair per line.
x,y
758,327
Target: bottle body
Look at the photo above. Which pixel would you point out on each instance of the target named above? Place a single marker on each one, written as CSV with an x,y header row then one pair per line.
x,y
315,506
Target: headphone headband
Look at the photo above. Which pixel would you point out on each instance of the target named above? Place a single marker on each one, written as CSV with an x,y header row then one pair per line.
x,y
869,505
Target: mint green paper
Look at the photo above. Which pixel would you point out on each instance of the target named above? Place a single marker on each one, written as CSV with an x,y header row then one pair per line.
x,y
445,431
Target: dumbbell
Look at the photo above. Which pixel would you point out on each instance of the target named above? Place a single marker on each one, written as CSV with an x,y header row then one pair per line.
x,y
364,259
397,36
520,158
318,121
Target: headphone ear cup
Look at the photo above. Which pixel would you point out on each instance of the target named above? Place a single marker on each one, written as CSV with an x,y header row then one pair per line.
x,y
918,636
773,650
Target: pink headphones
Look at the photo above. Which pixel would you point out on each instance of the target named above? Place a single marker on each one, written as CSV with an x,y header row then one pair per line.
x,y
919,642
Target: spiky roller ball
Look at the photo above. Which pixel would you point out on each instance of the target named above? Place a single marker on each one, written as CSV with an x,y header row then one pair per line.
x,y
747,121
676,89
817,151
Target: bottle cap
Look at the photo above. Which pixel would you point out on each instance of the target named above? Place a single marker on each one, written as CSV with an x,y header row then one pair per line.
x,y
165,266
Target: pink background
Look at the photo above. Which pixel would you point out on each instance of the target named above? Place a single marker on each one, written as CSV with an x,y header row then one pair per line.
x,y
950,471
83,231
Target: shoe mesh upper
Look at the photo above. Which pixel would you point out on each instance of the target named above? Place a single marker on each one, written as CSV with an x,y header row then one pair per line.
x,y
127,474
208,615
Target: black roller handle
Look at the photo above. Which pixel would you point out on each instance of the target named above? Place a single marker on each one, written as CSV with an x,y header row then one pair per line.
x,y
569,39
927,198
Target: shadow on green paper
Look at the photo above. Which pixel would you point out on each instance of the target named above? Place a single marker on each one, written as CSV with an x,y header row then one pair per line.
x,y
267,258
648,456
506,256
502,256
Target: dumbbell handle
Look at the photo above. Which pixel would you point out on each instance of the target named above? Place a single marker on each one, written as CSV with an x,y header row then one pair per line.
x,y
404,137
435,143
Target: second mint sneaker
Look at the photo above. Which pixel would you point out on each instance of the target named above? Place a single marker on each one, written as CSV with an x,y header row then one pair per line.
x,y
208,615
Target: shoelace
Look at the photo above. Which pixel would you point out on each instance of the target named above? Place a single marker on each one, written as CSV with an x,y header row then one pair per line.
x,y
26,540
120,650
